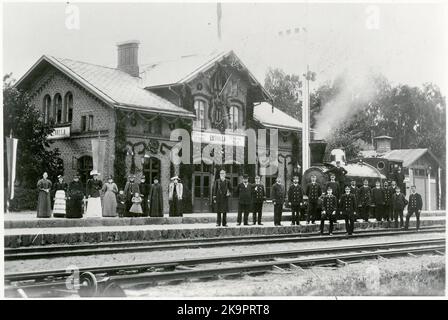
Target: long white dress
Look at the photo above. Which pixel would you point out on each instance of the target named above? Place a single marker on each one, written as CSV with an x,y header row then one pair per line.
x,y
59,203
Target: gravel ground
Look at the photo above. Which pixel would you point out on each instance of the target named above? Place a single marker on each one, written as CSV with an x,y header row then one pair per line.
x,y
154,256
424,275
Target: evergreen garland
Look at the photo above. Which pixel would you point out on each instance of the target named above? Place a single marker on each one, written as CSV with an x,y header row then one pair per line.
x,y
120,152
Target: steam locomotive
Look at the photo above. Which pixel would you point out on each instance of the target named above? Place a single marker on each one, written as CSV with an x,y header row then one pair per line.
x,y
372,169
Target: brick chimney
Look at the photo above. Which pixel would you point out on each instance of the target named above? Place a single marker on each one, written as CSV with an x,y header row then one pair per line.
x,y
128,57
383,144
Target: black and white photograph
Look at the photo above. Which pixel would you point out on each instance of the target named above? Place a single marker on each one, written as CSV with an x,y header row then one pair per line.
x,y
224,150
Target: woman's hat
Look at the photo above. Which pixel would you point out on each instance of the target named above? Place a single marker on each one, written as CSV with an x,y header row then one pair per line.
x,y
60,176
175,178
94,173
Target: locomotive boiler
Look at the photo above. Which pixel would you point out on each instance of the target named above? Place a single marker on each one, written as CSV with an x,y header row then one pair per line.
x,y
357,170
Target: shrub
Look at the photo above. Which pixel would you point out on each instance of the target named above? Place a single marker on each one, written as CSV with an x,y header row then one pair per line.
x,y
24,199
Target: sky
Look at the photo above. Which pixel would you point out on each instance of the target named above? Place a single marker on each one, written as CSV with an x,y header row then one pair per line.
x,y
405,42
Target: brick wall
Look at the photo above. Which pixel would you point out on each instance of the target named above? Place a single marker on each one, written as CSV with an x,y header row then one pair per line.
x,y
84,104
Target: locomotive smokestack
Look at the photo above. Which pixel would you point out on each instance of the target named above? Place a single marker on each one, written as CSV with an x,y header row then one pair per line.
x,y
317,148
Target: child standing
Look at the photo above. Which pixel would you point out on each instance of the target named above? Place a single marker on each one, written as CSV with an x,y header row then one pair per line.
x,y
121,204
136,209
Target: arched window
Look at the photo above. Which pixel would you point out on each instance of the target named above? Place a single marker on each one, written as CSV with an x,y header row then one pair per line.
x,y
200,109
68,107
151,168
46,107
57,108
233,117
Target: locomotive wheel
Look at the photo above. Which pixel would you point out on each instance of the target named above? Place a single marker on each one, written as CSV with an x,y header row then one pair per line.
x,y
88,285
113,290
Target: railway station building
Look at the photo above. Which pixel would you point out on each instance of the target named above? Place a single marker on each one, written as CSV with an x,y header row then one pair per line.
x,y
134,108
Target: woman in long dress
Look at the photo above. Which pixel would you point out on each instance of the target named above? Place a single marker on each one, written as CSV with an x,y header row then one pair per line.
x,y
156,200
110,190
60,189
75,195
44,201
94,187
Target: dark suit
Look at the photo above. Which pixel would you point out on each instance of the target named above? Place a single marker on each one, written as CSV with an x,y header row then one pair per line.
x,y
313,192
398,204
145,189
220,194
258,196
329,205
278,197
388,192
364,200
415,206
295,197
347,205
244,194
377,196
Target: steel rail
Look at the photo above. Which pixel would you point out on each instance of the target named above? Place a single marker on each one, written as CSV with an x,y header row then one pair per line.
x,y
40,252
172,264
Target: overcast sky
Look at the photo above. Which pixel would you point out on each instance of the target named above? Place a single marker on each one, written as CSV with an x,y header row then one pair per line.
x,y
403,41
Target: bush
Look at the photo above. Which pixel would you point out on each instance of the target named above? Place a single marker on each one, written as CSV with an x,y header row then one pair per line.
x,y
24,199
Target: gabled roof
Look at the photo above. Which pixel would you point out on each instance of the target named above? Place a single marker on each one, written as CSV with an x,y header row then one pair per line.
x,y
183,69
409,156
272,117
113,86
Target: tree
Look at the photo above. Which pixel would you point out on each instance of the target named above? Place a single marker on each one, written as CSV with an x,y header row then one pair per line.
x,y
284,89
23,121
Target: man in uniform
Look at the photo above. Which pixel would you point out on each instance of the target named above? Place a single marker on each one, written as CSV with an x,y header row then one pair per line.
x,y
399,178
258,197
313,192
329,207
220,195
278,198
388,192
295,199
347,205
244,194
145,188
340,173
378,201
415,206
337,191
393,187
399,202
130,189
364,200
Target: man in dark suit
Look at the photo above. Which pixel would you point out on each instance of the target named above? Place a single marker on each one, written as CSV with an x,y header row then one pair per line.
x,y
244,194
399,178
377,196
399,202
347,205
329,207
295,199
364,200
220,195
145,189
313,192
388,193
278,198
258,197
130,189
415,206
340,173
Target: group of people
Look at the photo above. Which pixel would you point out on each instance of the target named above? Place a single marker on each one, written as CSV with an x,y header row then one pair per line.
x,y
138,199
331,202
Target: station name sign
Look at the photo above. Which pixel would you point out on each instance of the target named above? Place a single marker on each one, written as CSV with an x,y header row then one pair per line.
x,y
218,138
59,133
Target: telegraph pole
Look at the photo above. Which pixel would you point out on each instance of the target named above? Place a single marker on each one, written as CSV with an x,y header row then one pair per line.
x,y
306,119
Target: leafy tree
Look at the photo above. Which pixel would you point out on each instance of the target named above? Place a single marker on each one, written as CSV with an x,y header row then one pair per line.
x,y
23,121
284,89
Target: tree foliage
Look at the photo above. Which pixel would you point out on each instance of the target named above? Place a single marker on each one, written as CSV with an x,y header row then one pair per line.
x,y
23,121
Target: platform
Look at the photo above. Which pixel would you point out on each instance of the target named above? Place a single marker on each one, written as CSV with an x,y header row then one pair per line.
x,y
17,237
29,220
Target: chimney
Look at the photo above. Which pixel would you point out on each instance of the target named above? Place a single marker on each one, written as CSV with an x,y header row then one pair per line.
x,y
383,144
128,57
317,149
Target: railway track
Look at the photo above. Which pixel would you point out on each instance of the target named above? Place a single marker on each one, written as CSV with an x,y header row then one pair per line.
x,y
47,252
110,280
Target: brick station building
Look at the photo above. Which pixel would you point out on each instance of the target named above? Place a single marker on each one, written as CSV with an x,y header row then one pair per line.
x,y
135,108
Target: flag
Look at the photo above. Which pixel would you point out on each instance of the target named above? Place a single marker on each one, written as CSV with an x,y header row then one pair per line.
x,y
98,154
11,153
219,15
